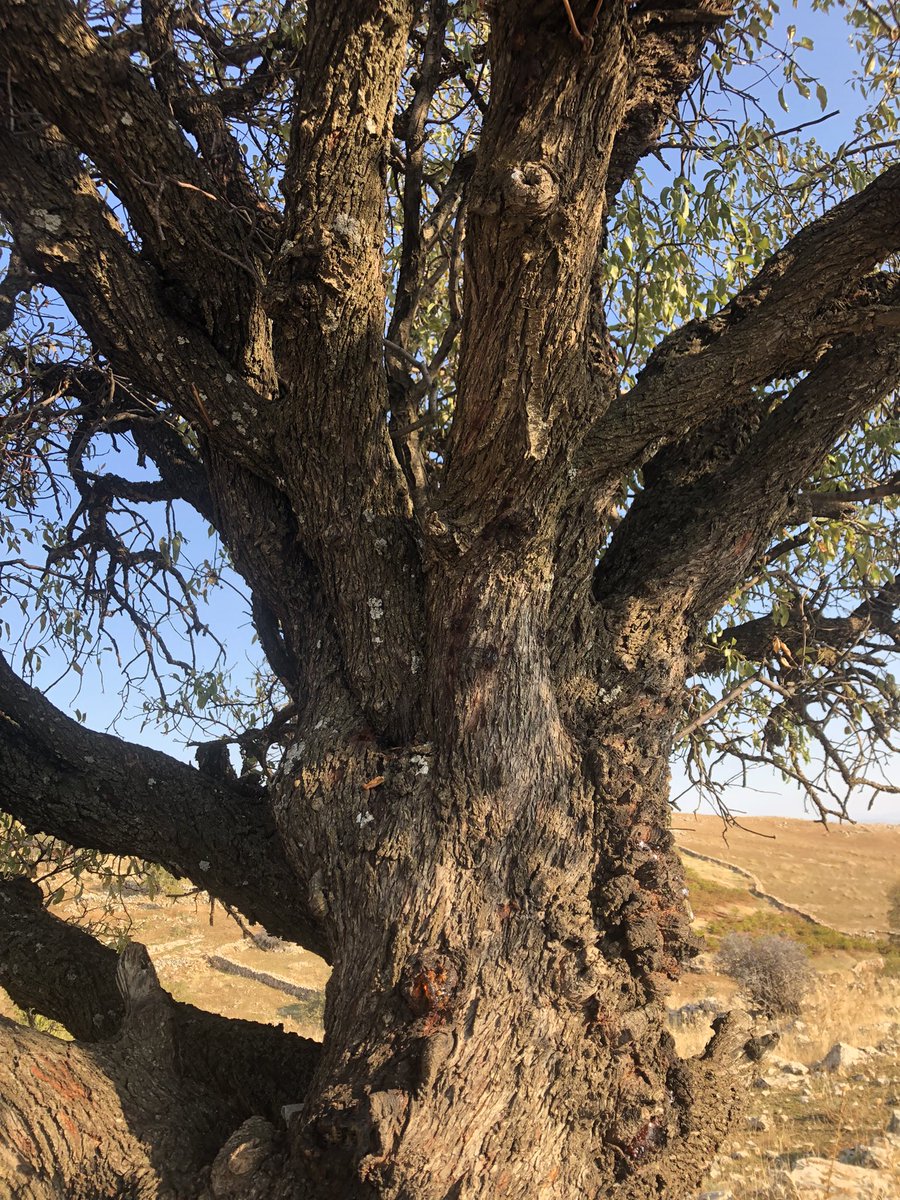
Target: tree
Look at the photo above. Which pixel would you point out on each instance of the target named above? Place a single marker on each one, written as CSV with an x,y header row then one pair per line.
x,y
610,445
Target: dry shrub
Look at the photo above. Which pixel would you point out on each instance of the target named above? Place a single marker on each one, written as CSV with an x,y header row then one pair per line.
x,y
774,972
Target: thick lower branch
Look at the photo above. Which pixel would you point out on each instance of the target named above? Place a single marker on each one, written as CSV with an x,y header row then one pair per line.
x,y
92,789
254,1068
121,1118
63,1132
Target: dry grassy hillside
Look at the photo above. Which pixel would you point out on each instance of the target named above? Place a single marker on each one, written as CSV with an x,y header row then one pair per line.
x,y
840,874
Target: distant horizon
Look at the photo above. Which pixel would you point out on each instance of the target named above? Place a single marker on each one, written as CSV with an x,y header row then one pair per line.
x,y
770,796
867,819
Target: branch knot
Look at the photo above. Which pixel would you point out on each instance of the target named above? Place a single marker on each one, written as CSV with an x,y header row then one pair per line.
x,y
530,189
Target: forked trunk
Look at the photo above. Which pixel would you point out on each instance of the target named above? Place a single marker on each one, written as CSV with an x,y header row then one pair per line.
x,y
505,907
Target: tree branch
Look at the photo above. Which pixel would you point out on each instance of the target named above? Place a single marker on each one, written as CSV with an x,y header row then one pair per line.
x,y
804,298
108,109
697,539
17,281
807,632
92,789
327,301
535,217
71,240
199,114
837,503
536,220
48,1131
665,61
255,1068
115,1118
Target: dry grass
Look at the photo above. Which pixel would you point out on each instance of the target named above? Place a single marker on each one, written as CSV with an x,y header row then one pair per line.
x,y
842,1008
841,874
819,1114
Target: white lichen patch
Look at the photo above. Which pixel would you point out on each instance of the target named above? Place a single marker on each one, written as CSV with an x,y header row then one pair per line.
x,y
347,227
48,221
292,756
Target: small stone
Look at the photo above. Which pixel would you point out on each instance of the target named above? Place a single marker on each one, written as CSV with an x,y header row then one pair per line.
x,y
870,1157
841,1056
794,1068
869,967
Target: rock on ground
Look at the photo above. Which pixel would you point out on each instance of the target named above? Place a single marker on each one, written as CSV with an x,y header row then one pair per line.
x,y
842,1056
815,1178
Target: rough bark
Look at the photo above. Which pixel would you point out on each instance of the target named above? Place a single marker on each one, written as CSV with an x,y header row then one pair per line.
x,y
254,1069
507,907
326,297
116,1118
781,323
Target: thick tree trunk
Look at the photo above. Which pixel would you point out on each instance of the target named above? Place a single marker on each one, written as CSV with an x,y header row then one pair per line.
x,y
473,805
505,906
